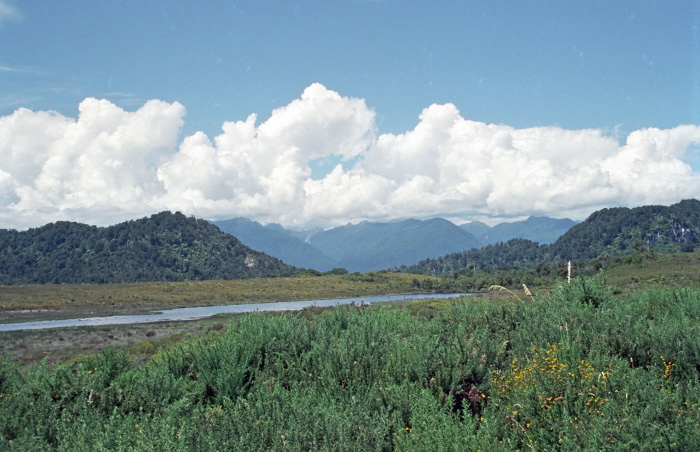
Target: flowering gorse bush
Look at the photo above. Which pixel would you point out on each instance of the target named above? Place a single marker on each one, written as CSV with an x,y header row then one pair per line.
x,y
536,392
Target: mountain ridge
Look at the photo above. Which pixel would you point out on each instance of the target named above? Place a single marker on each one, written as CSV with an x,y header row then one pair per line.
x,y
369,246
543,230
372,246
276,241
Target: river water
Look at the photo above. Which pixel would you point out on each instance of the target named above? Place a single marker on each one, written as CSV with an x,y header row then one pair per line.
x,y
182,314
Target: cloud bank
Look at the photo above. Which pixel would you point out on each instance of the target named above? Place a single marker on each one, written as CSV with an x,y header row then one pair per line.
x,y
110,165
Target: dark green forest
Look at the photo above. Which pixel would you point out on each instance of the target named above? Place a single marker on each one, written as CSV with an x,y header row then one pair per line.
x,y
164,247
603,236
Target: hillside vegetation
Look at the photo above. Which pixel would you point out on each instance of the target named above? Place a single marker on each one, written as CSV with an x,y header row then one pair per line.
x,y
578,369
165,247
172,247
605,234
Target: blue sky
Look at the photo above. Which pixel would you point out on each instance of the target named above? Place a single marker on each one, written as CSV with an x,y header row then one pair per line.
x,y
575,64
615,67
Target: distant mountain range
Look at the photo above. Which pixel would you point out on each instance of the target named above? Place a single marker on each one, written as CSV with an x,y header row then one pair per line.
x,y
276,241
375,246
370,246
164,247
543,230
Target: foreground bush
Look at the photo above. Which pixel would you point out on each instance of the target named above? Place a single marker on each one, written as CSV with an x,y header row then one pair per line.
x,y
577,370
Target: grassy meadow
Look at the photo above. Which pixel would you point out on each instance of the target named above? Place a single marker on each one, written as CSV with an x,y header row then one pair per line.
x,y
591,365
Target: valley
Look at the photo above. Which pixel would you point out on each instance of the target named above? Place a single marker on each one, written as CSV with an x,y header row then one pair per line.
x,y
531,361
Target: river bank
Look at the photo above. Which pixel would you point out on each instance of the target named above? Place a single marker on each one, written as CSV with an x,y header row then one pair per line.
x,y
57,301
141,340
199,312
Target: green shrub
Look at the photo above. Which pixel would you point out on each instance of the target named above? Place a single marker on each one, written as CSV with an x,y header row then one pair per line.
x,y
577,370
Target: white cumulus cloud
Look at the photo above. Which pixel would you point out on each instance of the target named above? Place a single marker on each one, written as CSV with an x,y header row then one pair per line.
x,y
106,160
109,165
260,171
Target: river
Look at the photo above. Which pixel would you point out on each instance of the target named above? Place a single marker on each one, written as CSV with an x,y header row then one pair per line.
x,y
183,314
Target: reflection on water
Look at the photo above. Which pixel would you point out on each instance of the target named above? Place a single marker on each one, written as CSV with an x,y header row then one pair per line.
x,y
181,314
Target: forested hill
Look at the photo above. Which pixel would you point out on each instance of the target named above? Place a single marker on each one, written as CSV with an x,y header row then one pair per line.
x,y
164,247
607,232
621,230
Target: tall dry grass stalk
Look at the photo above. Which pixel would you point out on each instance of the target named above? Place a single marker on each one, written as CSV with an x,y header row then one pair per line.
x,y
501,289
